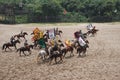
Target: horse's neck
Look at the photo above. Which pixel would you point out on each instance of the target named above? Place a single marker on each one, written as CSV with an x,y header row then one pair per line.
x,y
15,42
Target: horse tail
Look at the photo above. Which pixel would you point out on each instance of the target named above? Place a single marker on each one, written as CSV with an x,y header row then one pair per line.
x,y
3,47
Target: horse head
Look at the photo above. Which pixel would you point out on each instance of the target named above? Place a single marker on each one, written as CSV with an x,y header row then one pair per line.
x,y
25,33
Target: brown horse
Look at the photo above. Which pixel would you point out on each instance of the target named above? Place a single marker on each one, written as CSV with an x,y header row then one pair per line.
x,y
21,35
7,45
93,32
68,49
27,48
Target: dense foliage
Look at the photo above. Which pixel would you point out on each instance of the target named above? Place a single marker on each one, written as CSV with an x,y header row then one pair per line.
x,y
65,10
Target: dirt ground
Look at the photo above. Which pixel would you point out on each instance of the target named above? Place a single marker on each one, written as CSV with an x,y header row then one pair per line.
x,y
101,63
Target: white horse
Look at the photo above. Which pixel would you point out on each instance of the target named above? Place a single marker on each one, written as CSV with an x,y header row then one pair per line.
x,y
42,54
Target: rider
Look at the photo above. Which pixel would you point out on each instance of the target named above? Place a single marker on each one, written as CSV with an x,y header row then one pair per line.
x,y
56,30
12,39
21,32
25,43
55,45
89,27
81,35
82,43
76,34
68,43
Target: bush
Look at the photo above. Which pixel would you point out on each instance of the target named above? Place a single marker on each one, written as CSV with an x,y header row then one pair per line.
x,y
73,17
21,19
101,19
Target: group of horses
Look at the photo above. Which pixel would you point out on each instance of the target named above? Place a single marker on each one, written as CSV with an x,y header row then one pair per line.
x,y
60,50
50,52
9,44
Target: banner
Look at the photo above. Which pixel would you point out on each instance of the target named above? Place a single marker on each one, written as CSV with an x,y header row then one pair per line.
x,y
36,31
68,43
41,42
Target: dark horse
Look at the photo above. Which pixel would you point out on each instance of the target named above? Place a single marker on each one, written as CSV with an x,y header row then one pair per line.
x,y
93,31
55,55
27,48
81,49
7,45
21,35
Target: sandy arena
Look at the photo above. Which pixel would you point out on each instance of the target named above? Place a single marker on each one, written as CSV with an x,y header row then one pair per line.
x,y
101,63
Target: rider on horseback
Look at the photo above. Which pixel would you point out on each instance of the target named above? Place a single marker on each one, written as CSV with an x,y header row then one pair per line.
x,y
81,35
89,27
76,34
12,39
25,43
21,32
82,43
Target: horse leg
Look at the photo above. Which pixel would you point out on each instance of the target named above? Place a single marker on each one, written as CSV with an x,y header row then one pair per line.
x,y
29,52
38,58
65,53
55,60
18,37
61,58
84,52
9,49
20,53
15,47
79,51
43,57
24,53
5,48
50,60
24,37
72,53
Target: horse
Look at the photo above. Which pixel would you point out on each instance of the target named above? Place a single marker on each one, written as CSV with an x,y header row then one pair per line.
x,y
7,45
93,32
21,35
27,48
68,49
81,49
55,55
43,53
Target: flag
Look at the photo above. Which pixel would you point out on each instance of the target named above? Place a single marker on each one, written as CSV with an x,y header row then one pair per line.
x,y
51,33
68,43
41,42
36,31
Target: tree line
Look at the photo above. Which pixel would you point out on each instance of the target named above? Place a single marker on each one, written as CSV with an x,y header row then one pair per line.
x,y
64,10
